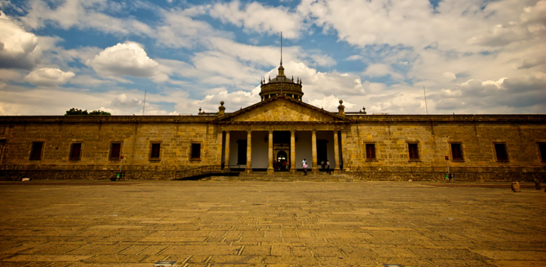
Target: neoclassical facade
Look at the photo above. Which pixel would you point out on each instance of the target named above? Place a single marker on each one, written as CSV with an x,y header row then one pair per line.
x,y
275,135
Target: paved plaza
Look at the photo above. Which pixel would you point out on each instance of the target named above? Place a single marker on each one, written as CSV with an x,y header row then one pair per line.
x,y
245,223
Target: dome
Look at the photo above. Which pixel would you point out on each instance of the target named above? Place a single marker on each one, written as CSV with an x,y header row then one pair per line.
x,y
281,85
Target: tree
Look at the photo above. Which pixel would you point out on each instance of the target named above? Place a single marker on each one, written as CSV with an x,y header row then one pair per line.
x,y
75,112
80,112
99,112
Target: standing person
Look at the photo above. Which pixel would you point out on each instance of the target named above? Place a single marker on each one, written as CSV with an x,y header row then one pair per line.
x,y
328,166
304,164
323,164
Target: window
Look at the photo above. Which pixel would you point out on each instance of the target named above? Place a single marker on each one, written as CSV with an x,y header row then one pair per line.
x,y
154,153
500,151
542,148
75,151
370,152
115,151
456,152
413,150
36,151
195,151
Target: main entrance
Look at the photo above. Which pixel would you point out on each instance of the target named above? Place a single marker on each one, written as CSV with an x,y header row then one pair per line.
x,y
281,150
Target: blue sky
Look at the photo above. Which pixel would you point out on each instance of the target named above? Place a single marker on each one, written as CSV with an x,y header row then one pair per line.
x,y
472,56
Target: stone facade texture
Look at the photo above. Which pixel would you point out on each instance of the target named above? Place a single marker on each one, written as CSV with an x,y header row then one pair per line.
x,y
96,134
177,135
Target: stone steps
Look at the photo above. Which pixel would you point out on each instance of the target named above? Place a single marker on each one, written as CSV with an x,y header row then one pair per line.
x,y
286,177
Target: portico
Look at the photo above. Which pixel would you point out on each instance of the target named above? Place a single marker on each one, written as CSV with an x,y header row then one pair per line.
x,y
261,145
277,133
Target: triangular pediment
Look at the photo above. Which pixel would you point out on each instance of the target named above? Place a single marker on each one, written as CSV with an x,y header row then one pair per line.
x,y
282,109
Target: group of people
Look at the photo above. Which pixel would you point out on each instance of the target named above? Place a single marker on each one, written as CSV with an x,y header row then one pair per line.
x,y
325,166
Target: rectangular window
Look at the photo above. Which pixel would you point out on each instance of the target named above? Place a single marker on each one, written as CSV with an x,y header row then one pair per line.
x,y
413,150
75,151
115,151
456,152
154,153
195,151
36,151
542,148
500,151
370,151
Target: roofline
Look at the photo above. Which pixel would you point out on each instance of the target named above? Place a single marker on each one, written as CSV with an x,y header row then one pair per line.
x,y
501,118
261,103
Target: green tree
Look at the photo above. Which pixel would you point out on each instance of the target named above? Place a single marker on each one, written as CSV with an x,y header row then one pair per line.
x,y
75,112
99,112
80,112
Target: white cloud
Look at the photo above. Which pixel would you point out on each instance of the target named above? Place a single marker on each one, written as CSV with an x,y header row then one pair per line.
x,y
11,75
126,102
256,17
83,15
331,103
49,76
535,15
210,103
48,100
449,76
127,59
18,48
89,81
495,96
193,32
380,70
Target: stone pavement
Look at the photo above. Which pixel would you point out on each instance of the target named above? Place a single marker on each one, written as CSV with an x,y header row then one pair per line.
x,y
234,223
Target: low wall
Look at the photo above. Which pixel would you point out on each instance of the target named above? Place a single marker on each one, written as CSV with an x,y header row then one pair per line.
x,y
484,176
15,175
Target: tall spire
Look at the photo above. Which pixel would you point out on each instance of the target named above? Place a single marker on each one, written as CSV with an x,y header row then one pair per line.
x,y
281,69
281,48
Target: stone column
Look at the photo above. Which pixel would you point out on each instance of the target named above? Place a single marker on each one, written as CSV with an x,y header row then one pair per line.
x,y
293,167
344,160
270,169
249,152
219,143
314,169
336,152
226,151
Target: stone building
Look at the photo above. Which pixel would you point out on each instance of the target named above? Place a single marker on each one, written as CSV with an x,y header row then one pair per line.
x,y
271,136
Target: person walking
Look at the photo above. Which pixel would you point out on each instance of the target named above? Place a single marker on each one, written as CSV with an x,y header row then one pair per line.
x,y
304,164
328,166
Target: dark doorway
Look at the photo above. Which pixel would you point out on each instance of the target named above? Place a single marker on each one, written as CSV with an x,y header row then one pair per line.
x,y
281,137
241,152
322,151
282,160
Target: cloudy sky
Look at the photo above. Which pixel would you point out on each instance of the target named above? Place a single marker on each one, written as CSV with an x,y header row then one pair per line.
x,y
472,56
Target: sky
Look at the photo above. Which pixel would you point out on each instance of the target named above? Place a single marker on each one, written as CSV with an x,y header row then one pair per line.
x,y
465,56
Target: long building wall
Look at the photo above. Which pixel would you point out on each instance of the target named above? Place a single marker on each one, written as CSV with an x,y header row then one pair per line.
x,y
476,139
136,139
390,136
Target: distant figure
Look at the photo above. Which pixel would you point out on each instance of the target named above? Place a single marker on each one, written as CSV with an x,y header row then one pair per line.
x,y
537,184
322,164
515,187
304,164
327,167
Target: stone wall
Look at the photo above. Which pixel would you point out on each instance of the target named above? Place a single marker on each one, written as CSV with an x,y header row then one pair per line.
x,y
434,138
390,134
175,139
